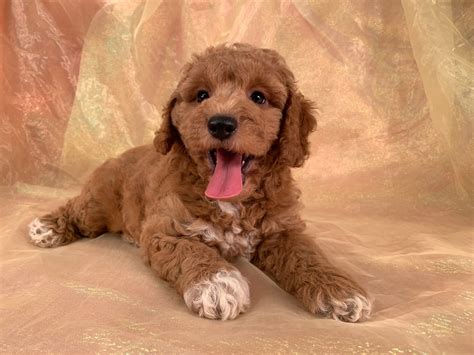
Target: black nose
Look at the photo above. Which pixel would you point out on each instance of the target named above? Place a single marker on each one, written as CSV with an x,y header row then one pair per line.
x,y
221,127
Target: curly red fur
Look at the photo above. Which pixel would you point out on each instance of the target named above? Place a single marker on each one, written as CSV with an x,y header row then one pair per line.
x,y
154,194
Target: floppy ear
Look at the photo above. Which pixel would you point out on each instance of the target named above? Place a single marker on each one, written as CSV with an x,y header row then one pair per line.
x,y
167,135
298,122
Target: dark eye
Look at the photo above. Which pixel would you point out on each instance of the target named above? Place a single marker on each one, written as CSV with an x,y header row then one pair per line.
x,y
202,95
258,97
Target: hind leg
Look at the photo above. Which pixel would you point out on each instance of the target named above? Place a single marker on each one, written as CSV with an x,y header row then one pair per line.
x,y
81,217
95,211
44,236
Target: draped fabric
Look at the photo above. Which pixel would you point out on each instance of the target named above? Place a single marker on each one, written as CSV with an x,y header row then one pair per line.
x,y
388,188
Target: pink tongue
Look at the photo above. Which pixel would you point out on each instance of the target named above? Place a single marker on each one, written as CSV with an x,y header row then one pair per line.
x,y
226,182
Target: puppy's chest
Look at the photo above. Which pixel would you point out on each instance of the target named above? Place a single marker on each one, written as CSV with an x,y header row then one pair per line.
x,y
232,235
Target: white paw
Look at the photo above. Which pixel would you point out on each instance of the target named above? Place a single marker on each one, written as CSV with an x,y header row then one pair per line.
x,y
223,296
41,235
352,309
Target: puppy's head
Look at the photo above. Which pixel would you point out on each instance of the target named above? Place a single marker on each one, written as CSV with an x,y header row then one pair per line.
x,y
236,109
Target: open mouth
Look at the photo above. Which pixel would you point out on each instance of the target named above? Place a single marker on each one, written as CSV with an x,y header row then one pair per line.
x,y
228,176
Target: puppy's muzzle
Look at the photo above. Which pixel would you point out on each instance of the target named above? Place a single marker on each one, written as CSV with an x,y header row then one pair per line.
x,y
222,127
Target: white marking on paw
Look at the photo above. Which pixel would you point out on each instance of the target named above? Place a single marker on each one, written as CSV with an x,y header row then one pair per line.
x,y
41,235
224,296
353,309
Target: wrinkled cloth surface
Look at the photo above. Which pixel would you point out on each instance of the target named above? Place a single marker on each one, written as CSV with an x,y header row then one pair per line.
x,y
388,188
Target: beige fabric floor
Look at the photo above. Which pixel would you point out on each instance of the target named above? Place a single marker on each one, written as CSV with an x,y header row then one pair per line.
x,y
97,296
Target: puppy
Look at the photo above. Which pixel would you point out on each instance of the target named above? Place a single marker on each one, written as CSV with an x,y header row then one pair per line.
x,y
216,184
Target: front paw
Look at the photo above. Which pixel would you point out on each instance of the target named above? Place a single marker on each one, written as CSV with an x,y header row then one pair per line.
x,y
341,299
224,296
